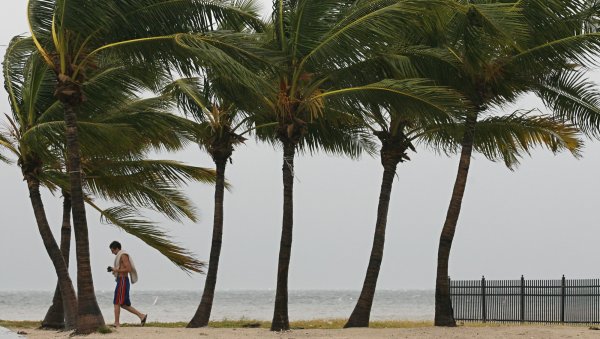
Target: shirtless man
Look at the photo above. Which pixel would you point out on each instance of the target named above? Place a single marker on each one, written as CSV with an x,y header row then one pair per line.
x,y
122,269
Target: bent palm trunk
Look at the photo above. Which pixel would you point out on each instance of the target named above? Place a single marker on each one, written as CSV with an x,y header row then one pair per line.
x,y
89,318
280,314
444,313
202,315
67,291
55,317
362,311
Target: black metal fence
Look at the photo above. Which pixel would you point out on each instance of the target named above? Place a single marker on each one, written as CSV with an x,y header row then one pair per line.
x,y
544,301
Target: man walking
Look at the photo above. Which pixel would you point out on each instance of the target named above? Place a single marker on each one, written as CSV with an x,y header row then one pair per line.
x,y
122,269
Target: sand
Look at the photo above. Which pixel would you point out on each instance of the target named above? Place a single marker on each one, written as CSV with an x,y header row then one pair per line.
x,y
508,331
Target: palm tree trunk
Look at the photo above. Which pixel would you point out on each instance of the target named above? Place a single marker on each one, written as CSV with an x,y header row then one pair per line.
x,y
202,315
66,285
280,314
444,314
89,317
362,311
55,317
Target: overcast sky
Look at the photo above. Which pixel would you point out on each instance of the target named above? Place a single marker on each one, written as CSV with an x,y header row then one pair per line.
x,y
540,221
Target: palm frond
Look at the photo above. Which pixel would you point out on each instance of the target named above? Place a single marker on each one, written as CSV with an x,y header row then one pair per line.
x,y
509,137
13,67
135,18
572,97
342,138
190,96
417,98
146,183
37,91
581,49
96,138
155,127
355,30
235,56
503,20
172,172
128,220
5,144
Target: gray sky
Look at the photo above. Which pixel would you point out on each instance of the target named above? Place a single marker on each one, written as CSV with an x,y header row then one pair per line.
x,y
540,221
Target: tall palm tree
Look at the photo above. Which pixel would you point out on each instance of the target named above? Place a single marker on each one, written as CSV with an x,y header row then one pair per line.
x,y
71,37
399,132
36,138
222,126
318,45
531,47
24,79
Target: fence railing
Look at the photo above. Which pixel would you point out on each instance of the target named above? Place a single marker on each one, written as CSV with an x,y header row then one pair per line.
x,y
545,301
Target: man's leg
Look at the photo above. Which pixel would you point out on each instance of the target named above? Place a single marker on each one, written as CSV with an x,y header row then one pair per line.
x,y
119,299
126,304
134,311
117,314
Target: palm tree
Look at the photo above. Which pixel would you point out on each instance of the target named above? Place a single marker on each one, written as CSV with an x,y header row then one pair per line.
x,y
36,138
529,47
400,132
222,126
397,130
72,37
319,46
24,79
55,316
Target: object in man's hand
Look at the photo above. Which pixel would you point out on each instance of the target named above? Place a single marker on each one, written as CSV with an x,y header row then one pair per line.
x,y
109,269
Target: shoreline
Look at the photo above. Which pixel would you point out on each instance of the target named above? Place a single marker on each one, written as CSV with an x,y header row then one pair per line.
x,y
175,306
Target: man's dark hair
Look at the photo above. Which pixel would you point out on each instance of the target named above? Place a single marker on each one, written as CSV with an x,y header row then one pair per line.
x,y
115,244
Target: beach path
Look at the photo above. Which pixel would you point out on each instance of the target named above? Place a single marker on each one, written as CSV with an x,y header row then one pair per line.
x,y
520,332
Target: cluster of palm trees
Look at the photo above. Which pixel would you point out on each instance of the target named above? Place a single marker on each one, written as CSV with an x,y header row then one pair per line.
x,y
344,77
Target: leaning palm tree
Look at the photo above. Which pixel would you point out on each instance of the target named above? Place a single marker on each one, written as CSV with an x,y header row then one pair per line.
x,y
507,137
24,80
72,36
55,316
400,132
36,138
222,126
319,44
532,47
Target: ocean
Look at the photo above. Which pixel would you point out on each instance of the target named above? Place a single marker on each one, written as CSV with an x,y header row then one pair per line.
x,y
172,306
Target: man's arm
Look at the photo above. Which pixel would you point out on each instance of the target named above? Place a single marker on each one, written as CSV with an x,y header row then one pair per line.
x,y
124,266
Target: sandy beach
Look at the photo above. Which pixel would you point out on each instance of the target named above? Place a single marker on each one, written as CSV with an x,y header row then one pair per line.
x,y
520,332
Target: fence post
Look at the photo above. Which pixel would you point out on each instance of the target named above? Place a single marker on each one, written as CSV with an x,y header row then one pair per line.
x,y
522,298
451,303
562,299
483,307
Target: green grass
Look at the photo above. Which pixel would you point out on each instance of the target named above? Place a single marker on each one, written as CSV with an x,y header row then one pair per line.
x,y
104,330
339,323
302,324
20,324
